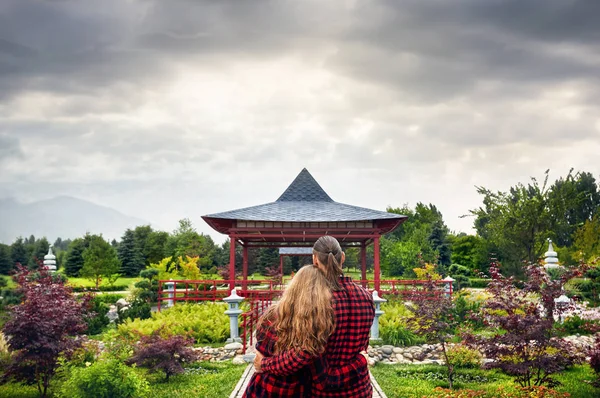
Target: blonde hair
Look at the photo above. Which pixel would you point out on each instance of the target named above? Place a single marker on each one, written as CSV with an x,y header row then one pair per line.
x,y
329,254
303,318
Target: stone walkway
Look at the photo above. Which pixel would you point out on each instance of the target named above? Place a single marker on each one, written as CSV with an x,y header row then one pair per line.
x,y
239,389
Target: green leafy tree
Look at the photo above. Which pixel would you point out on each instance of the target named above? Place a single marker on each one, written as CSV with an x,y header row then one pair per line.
x,y
130,255
587,239
470,251
6,263
518,222
100,260
155,249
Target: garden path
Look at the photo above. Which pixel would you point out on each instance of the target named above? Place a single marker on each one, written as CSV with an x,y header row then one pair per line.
x,y
239,389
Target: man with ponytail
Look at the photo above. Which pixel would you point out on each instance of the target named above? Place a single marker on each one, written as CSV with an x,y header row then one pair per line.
x,y
345,368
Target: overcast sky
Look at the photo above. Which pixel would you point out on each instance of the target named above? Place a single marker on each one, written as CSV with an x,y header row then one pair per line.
x,y
172,109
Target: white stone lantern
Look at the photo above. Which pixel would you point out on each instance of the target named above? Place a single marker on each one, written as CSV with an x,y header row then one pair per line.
x,y
233,301
378,312
561,303
551,260
50,260
449,287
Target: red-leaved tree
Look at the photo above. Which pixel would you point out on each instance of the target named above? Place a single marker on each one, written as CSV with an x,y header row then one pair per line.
x,y
42,327
166,354
525,344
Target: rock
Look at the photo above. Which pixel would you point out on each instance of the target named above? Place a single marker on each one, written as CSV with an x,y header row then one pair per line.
x,y
407,355
387,349
249,358
238,360
397,350
233,346
122,302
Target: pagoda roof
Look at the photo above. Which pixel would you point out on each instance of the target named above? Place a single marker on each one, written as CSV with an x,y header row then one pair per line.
x,y
303,201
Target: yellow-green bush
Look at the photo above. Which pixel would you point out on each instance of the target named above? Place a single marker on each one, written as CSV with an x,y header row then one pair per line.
x,y
205,322
464,357
392,325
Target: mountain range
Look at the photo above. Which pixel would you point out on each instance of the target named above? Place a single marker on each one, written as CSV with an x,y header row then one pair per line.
x,y
64,217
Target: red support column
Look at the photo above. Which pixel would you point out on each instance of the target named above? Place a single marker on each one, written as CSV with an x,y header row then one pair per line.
x,y
245,268
281,267
363,264
231,262
376,269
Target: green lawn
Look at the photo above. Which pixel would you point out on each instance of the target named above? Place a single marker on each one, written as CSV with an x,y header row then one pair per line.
x,y
412,381
211,380
84,282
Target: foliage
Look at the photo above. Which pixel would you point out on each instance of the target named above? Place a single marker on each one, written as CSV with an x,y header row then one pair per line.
x,y
105,379
6,262
137,309
178,268
393,325
464,357
130,255
524,392
18,252
470,251
164,354
42,328
108,298
433,319
205,322
524,345
577,325
99,260
74,258
148,288
464,311
427,271
587,244
98,321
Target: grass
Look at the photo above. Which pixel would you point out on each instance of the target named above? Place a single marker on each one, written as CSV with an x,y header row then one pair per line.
x,y
407,381
213,380
208,380
84,282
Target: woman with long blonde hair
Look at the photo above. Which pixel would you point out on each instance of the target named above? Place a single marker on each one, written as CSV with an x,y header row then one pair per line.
x,y
302,320
345,372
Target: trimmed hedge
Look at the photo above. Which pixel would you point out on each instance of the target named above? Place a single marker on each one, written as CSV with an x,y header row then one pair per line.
x,y
479,282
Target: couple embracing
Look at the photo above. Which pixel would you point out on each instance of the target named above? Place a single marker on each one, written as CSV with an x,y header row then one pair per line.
x,y
309,343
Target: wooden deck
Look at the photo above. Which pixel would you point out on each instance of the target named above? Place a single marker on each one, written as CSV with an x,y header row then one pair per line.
x,y
239,389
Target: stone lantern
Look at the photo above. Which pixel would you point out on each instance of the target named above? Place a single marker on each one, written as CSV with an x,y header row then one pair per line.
x,y
50,260
233,301
551,260
378,312
561,303
448,288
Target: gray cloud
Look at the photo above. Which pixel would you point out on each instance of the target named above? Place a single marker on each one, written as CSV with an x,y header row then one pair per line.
x,y
209,105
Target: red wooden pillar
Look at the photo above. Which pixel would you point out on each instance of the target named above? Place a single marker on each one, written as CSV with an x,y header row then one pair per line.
x,y
245,268
363,264
376,269
231,262
281,267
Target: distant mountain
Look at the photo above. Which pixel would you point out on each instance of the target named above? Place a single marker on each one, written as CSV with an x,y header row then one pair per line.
x,y
64,217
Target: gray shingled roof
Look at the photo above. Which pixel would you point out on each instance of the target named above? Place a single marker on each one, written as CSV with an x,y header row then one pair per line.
x,y
290,251
305,201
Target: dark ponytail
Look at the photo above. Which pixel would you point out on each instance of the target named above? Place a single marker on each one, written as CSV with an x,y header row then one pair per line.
x,y
329,254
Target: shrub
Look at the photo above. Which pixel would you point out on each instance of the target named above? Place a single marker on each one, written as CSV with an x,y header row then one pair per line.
x,y
98,320
205,323
4,352
595,360
109,298
577,325
479,283
524,345
523,392
392,325
161,354
104,379
42,328
462,356
138,309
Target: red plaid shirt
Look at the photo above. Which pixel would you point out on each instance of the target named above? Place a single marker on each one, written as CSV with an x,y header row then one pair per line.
x,y
346,368
268,385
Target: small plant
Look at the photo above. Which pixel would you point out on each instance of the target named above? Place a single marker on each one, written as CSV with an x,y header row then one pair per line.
x,y
594,355
164,354
99,320
433,319
104,379
464,357
523,392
